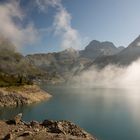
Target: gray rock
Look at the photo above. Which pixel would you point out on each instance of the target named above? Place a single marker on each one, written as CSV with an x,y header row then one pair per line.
x,y
17,118
34,124
47,130
8,137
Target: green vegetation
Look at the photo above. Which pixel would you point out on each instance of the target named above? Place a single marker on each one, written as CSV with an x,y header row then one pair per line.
x,y
14,80
15,70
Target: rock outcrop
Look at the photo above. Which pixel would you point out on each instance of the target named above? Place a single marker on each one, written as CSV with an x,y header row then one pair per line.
x,y
46,130
21,95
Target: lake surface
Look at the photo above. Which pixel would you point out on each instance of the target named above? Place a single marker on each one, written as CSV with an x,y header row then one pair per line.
x,y
109,114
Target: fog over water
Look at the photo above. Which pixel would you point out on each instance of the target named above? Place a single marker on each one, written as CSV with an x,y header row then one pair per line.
x,y
112,76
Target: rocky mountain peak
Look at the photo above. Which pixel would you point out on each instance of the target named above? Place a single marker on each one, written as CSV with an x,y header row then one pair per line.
x,y
93,44
121,47
107,44
70,50
97,49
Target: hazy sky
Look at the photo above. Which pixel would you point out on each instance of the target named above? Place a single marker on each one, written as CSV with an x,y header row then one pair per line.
x,y
52,25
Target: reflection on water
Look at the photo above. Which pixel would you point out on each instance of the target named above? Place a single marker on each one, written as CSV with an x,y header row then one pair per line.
x,y
110,114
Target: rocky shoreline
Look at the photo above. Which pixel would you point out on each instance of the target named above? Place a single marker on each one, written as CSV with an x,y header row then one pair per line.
x,y
21,95
16,129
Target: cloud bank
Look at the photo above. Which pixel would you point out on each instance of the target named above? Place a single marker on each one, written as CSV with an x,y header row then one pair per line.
x,y
11,18
62,23
111,76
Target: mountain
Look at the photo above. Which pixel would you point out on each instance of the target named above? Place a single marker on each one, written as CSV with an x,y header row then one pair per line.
x,y
125,57
97,49
131,53
61,65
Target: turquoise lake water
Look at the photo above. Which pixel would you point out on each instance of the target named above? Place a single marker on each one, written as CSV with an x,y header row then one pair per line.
x,y
109,114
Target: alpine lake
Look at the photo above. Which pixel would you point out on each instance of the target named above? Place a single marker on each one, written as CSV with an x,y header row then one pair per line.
x,y
107,113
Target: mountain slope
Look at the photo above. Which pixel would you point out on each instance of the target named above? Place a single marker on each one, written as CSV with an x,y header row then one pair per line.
x,y
125,57
61,65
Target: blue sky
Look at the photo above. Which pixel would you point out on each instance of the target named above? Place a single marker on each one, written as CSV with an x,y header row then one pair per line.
x,y
60,24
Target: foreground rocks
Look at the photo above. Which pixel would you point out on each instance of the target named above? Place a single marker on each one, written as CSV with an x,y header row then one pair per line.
x,y
16,129
20,95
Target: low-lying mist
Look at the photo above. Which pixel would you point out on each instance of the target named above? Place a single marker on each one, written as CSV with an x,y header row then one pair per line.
x,y
112,76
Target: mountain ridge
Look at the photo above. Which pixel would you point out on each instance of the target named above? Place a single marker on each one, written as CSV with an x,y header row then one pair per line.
x,y
58,67
125,57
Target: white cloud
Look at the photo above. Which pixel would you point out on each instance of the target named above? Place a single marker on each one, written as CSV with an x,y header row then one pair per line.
x,y
111,76
62,23
10,12
44,4
62,26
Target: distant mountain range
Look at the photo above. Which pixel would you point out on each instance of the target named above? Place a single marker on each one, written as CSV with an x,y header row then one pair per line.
x,y
61,66
67,63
